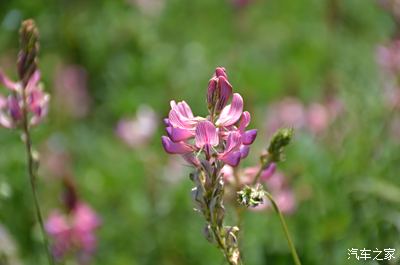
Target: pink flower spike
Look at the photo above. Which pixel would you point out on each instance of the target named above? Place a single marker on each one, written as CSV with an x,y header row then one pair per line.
x,y
7,82
175,148
206,134
231,113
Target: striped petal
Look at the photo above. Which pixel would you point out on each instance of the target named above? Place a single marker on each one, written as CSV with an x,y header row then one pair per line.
x,y
206,134
178,134
231,113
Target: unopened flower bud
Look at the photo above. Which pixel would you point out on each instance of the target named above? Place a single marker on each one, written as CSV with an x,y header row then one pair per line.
x,y
278,142
27,57
219,91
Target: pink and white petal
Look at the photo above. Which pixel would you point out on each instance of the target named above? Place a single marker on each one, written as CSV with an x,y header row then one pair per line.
x,y
3,102
185,109
231,113
233,142
5,121
175,148
206,134
7,82
244,121
178,134
249,136
181,116
33,81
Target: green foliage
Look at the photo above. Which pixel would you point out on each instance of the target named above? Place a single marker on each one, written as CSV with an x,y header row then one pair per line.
x,y
346,181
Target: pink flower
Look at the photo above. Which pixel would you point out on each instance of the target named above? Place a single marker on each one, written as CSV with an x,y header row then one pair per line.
x,y
137,131
74,232
318,118
11,108
71,91
222,135
289,112
388,56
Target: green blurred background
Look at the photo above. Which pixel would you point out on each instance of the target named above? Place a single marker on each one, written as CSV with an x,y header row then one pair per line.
x,y
346,180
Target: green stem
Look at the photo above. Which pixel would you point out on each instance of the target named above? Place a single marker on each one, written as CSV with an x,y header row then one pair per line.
x,y
32,178
285,229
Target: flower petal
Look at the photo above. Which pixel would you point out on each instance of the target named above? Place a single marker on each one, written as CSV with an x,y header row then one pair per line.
x,y
181,115
225,93
178,134
244,151
244,121
231,113
7,82
233,142
232,159
206,134
249,136
33,81
175,148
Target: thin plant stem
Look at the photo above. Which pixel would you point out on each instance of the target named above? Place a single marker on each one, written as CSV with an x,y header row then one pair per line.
x,y
32,179
281,218
285,228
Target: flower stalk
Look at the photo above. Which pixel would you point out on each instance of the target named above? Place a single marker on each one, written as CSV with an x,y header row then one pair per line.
x,y
26,106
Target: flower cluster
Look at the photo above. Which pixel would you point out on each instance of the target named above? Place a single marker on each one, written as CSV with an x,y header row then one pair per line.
x,y
27,103
32,97
137,131
221,136
315,118
73,232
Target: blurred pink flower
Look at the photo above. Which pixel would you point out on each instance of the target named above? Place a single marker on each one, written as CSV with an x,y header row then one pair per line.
x,y
71,92
136,132
289,112
317,118
388,56
73,232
